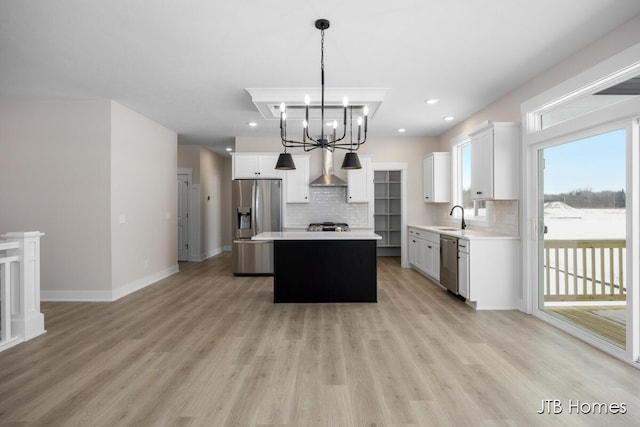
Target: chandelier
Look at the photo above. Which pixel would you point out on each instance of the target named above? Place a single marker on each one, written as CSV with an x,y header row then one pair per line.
x,y
325,141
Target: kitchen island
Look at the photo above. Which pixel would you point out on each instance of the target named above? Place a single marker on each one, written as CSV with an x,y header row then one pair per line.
x,y
323,266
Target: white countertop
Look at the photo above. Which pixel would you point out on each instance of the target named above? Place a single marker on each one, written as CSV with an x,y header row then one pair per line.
x,y
463,234
317,235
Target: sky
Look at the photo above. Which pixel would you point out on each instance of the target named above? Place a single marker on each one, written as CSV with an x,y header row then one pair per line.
x,y
597,162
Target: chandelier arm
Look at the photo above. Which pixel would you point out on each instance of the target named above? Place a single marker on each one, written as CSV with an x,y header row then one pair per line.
x,y
309,136
349,145
313,147
292,144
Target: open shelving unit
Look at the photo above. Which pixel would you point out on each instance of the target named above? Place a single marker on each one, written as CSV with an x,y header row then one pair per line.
x,y
388,210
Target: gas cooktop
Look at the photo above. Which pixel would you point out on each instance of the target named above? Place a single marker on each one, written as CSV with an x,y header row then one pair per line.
x,y
328,226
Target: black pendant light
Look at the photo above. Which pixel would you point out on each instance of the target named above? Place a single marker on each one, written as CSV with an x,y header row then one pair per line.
x,y
285,162
351,161
325,141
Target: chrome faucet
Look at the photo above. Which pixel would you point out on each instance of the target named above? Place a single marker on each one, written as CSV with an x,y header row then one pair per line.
x,y
463,225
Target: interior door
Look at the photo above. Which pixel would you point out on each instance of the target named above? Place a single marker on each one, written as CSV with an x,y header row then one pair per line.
x,y
183,217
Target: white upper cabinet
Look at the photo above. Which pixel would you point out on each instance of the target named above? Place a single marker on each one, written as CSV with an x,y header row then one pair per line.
x,y
436,170
297,181
495,161
255,165
360,182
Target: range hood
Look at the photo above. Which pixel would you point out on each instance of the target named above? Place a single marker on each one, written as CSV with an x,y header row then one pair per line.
x,y
327,179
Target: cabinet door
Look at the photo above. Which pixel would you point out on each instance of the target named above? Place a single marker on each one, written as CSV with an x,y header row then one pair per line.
x,y
267,166
482,165
463,274
427,179
360,183
428,258
298,181
436,261
413,251
421,255
245,166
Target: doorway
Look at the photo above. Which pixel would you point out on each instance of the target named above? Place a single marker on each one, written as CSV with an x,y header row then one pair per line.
x,y
582,256
182,216
390,209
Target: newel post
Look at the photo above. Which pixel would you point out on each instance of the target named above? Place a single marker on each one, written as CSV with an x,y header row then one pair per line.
x,y
26,320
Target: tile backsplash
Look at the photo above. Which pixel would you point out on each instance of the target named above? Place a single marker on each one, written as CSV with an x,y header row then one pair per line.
x,y
326,204
503,216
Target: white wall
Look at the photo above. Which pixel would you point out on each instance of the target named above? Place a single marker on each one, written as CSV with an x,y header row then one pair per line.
x,y
507,108
189,158
55,178
70,168
143,193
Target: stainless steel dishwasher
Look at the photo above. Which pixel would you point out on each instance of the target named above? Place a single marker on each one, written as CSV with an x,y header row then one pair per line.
x,y
449,263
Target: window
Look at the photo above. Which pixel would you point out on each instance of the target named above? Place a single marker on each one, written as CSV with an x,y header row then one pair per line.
x,y
474,209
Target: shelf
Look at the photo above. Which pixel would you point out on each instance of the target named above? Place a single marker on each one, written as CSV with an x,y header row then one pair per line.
x,y
388,208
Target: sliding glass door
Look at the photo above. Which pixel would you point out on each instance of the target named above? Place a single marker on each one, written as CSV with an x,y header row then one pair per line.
x,y
582,204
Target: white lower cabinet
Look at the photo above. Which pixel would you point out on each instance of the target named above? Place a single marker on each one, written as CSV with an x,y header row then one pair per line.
x,y
492,274
488,279
424,252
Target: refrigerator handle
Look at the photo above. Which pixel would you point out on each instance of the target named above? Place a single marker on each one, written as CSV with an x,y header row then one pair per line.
x,y
256,206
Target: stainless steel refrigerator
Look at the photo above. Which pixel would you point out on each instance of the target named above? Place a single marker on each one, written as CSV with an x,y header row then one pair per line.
x,y
257,208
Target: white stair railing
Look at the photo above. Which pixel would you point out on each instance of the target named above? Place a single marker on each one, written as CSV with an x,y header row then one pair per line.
x,y
20,316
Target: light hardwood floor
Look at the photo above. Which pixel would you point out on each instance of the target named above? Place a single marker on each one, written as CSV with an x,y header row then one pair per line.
x,y
204,348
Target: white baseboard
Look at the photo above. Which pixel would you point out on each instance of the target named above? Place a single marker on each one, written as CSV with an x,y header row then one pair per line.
x,y
108,296
87,296
213,253
143,283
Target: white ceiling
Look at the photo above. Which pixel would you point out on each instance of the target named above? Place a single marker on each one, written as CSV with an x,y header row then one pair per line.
x,y
186,64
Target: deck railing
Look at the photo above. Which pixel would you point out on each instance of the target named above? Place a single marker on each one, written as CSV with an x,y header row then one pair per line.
x,y
584,270
20,316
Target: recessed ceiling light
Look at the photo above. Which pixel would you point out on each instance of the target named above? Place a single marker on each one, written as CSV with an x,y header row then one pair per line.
x,y
448,118
229,149
252,124
431,101
402,130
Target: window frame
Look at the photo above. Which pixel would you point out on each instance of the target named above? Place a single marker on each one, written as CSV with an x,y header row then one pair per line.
x,y
471,215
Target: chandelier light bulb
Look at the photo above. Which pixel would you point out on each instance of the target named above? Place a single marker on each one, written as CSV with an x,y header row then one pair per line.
x,y
307,99
365,110
359,121
345,102
282,107
305,124
335,124
284,116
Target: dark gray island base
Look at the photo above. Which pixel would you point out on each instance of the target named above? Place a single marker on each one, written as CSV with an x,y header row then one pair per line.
x,y
317,271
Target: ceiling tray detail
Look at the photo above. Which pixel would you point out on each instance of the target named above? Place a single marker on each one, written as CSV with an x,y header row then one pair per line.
x,y
267,101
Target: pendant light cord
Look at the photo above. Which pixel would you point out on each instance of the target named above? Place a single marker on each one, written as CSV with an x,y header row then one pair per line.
x,y
322,83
